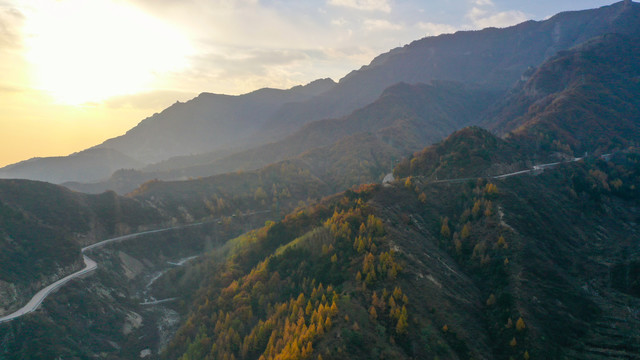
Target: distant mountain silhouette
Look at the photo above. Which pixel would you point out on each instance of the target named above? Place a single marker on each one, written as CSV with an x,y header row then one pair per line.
x,y
494,58
88,165
208,122
404,118
223,125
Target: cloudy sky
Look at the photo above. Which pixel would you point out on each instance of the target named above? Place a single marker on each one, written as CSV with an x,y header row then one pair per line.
x,y
76,72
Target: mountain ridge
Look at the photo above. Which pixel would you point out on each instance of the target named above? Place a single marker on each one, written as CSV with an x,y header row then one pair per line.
x,y
500,57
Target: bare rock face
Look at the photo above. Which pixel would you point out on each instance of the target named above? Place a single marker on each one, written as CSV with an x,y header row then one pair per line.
x,y
132,321
131,266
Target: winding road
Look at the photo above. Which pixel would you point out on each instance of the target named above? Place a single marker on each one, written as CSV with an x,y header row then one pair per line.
x,y
539,167
91,265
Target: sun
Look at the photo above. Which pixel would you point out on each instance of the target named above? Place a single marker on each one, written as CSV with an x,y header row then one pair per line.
x,y
86,51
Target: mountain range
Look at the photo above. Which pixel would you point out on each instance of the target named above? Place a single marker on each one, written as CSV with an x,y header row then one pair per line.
x,y
506,225
214,126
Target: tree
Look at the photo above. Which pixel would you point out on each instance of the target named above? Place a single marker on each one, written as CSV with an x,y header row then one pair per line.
x,y
476,209
491,300
466,231
487,211
509,324
502,242
491,189
403,324
444,230
328,323
520,325
407,183
373,314
458,245
513,342
260,194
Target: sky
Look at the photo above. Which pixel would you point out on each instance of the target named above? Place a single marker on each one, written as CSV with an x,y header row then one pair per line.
x,y
77,72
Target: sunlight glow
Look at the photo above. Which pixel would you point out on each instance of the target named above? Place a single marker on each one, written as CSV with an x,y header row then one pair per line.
x,y
86,51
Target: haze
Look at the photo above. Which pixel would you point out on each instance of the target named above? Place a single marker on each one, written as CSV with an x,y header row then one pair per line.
x,y
76,73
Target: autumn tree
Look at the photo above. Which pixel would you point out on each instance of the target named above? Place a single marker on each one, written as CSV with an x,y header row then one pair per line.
x,y
444,229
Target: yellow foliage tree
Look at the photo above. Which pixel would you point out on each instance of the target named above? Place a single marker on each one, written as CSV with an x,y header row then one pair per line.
x,y
466,231
444,230
513,342
502,242
403,324
476,208
373,314
407,183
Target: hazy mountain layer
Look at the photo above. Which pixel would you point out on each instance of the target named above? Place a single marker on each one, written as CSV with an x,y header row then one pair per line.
x,y
208,122
404,118
87,166
493,58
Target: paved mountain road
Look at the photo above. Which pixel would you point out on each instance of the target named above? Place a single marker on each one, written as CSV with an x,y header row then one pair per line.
x,y
389,177
39,297
90,266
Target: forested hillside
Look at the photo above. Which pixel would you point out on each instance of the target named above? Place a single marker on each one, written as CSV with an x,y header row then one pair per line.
x,y
43,227
509,229
429,270
581,100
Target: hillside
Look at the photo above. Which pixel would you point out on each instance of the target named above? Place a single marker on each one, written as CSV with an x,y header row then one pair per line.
x,y
279,187
469,270
208,122
469,153
293,249
404,118
581,100
43,227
